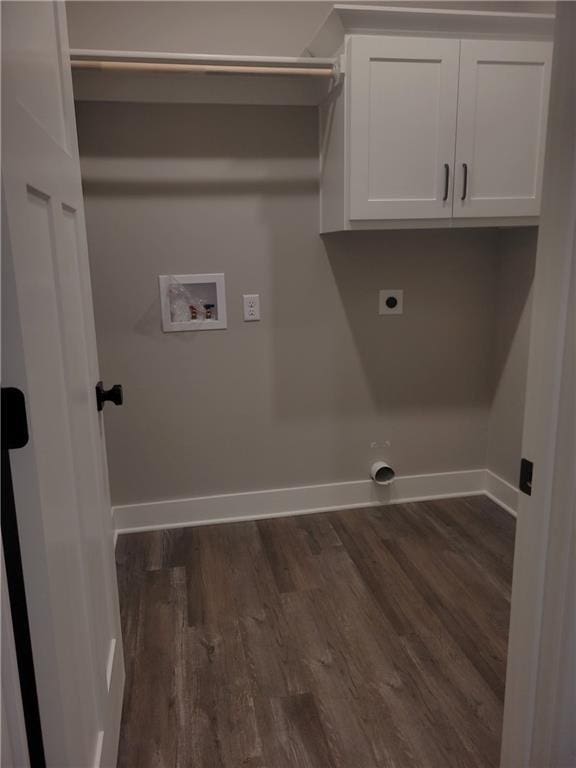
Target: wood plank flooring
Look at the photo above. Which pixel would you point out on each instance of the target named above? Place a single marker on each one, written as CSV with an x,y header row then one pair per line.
x,y
353,639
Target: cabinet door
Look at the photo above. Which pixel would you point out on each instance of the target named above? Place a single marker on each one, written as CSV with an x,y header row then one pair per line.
x,y
502,111
403,103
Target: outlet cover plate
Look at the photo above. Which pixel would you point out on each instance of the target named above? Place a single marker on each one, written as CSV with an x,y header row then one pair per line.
x,y
390,301
251,303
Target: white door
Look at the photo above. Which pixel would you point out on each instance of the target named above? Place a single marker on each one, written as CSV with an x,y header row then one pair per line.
x,y
49,352
502,115
540,707
403,98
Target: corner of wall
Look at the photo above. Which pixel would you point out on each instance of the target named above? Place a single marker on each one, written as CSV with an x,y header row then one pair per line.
x,y
515,253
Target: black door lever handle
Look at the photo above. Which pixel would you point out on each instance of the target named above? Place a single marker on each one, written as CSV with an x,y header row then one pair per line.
x,y
112,395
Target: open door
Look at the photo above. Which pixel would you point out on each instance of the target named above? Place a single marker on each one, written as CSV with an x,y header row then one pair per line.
x,y
49,353
540,707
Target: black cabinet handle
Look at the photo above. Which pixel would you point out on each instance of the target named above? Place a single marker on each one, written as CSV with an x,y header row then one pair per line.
x,y
112,395
446,181
464,181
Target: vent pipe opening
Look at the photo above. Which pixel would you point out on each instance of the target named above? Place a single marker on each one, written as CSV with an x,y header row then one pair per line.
x,y
382,473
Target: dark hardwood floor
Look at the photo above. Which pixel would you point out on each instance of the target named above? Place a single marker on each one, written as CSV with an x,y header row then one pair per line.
x,y
353,639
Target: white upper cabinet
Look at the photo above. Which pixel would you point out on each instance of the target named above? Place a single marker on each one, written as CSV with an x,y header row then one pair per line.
x,y
502,111
431,129
403,103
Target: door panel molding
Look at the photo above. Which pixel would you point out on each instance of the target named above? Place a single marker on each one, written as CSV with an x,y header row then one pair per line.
x,y
403,98
502,117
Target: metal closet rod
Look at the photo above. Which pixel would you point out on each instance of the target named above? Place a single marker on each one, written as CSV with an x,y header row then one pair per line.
x,y
206,69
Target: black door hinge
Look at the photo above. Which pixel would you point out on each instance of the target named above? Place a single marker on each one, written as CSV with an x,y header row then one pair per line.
x,y
14,421
526,471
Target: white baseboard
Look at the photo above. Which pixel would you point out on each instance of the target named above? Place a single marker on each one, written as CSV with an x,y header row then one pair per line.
x,y
281,502
502,492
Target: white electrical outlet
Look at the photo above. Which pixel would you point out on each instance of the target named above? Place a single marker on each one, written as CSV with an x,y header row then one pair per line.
x,y
390,302
251,307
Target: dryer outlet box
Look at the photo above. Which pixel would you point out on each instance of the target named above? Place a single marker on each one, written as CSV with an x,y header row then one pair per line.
x,y
391,301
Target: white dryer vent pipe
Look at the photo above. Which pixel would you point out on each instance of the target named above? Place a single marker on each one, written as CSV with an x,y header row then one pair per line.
x,y
382,473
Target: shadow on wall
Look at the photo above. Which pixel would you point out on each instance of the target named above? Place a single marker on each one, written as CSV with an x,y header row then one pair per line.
x,y
413,389
437,354
300,397
421,389
514,278
206,131
191,150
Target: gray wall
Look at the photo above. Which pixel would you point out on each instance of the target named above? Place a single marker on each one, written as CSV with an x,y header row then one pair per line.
x,y
515,273
301,396
258,28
